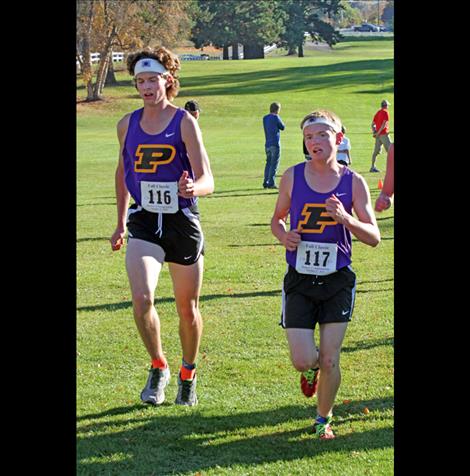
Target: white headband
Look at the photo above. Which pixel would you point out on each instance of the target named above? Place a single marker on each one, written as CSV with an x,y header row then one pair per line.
x,y
321,120
149,65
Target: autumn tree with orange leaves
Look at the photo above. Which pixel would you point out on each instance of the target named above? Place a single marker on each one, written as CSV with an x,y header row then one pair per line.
x,y
104,25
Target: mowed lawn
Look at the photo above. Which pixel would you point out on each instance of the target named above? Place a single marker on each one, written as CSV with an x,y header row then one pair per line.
x,y
252,418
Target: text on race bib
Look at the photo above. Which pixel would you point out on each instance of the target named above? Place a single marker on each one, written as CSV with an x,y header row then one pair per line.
x,y
159,197
316,258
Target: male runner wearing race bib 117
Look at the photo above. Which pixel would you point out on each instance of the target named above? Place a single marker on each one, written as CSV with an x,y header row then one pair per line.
x,y
319,286
164,166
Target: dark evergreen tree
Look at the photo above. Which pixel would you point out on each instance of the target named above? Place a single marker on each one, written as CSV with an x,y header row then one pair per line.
x,y
304,16
225,23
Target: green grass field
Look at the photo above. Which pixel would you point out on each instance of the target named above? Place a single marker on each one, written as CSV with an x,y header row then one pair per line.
x,y
252,418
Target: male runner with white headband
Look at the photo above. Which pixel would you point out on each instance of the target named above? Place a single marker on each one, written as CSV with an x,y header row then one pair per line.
x,y
149,65
163,166
319,284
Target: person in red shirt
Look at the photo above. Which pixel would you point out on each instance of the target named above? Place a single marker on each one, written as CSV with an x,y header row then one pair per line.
x,y
385,199
380,129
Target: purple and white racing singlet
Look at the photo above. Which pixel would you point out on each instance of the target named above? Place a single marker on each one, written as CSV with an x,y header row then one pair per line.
x,y
153,164
326,244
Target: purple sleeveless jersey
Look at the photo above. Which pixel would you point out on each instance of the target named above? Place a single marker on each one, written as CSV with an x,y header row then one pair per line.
x,y
155,158
308,207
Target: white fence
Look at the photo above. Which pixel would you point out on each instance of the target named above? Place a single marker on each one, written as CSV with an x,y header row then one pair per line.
x,y
201,57
269,48
204,56
119,57
95,58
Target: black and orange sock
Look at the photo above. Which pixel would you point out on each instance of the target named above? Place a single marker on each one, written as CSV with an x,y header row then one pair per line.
x,y
187,370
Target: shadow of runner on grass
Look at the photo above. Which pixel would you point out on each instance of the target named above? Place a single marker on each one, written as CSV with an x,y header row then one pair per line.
x,y
111,307
193,442
160,300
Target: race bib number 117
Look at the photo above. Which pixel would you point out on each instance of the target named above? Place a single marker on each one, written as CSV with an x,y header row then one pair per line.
x,y
316,258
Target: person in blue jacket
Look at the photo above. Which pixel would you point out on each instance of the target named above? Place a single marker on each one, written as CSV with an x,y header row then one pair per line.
x,y
272,124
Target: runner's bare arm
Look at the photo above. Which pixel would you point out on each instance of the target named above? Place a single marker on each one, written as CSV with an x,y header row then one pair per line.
x,y
204,183
122,194
290,239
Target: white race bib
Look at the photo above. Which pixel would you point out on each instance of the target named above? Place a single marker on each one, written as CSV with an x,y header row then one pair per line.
x,y
316,258
159,197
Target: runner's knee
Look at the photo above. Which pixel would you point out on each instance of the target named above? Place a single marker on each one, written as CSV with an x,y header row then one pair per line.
x,y
142,302
189,312
302,363
328,362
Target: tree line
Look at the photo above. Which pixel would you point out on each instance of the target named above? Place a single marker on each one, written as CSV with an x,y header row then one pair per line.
x,y
107,25
225,23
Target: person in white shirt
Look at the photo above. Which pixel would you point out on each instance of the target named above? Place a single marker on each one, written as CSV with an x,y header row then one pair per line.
x,y
343,155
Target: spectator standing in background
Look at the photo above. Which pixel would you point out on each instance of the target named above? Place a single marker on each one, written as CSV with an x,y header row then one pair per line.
x,y
272,124
380,128
343,156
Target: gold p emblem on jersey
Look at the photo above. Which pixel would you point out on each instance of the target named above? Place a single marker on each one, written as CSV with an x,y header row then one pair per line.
x,y
150,156
315,219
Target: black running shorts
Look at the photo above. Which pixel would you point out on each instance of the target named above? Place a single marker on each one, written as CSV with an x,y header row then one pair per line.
x,y
310,299
179,234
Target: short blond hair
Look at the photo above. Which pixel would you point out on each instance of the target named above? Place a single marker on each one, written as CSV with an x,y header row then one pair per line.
x,y
330,115
164,56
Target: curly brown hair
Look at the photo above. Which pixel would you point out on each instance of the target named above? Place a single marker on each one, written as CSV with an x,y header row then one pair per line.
x,y
168,59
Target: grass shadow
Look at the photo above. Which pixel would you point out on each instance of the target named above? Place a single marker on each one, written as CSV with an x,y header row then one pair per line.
x,y
230,195
300,78
208,297
305,78
387,280
216,441
97,238
252,245
360,291
111,307
368,344
95,204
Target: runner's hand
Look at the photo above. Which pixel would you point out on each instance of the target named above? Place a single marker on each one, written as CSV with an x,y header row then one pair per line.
x,y
383,202
117,240
186,185
335,209
291,240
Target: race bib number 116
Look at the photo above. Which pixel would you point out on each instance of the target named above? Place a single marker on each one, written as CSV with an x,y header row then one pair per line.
x,y
159,197
316,258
